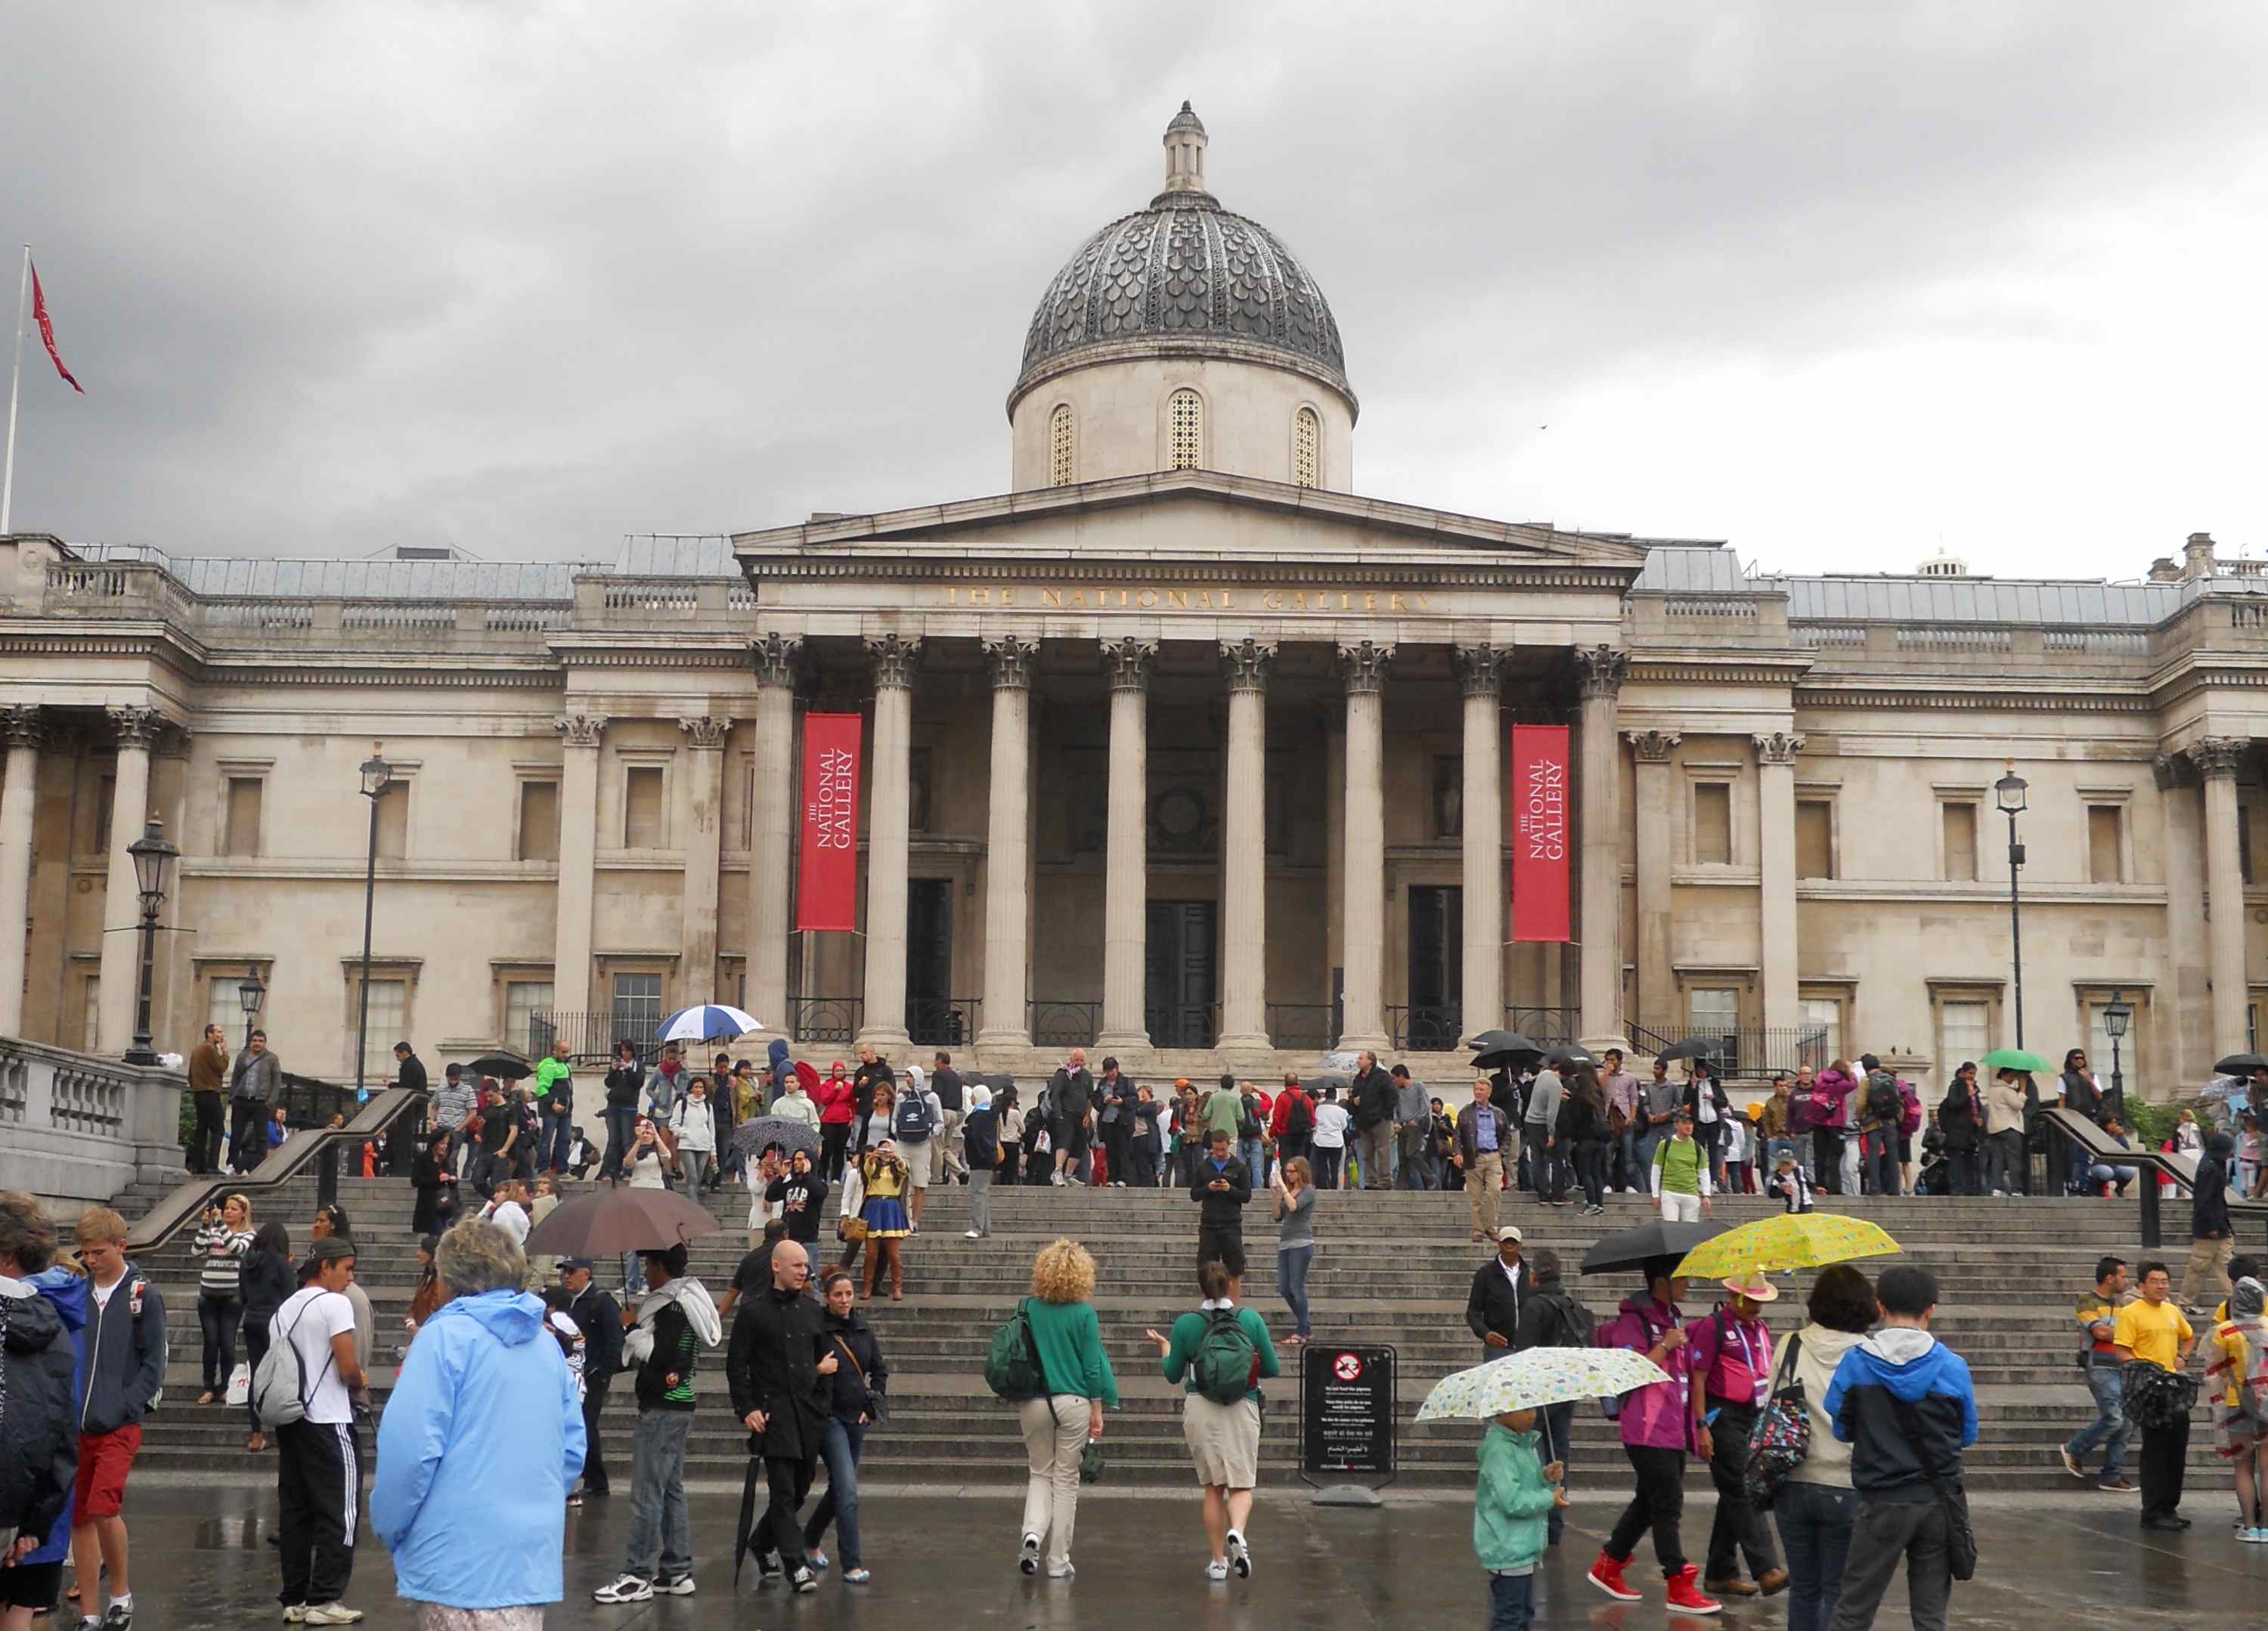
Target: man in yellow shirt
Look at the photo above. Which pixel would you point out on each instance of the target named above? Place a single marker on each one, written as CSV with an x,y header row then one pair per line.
x,y
2154,1329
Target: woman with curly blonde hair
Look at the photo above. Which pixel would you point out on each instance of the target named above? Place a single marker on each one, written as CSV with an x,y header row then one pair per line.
x,y
1059,1424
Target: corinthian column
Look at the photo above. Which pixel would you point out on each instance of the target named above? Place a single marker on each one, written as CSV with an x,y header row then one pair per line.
x,y
21,730
1244,851
1008,846
1362,667
1481,669
771,831
579,861
137,731
2218,759
1126,868
888,835
1652,750
1599,672
1776,855
703,847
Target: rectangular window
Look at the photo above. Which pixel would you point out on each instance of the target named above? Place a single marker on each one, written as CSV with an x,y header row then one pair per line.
x,y
241,834
1712,824
2105,861
1960,823
1823,1015
389,1022
539,821
523,1000
1449,795
1716,1011
2128,1056
642,827
90,1022
224,1008
394,823
637,1005
1814,838
1964,1031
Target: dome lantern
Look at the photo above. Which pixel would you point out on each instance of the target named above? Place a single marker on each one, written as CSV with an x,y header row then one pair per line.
x,y
1185,145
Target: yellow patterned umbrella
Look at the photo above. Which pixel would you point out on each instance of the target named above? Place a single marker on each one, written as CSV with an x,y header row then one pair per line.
x,y
1791,1240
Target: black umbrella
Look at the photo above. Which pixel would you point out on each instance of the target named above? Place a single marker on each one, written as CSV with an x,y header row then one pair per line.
x,y
751,1136
502,1066
2240,1065
1635,1247
612,1221
1315,1085
1692,1048
1494,1050
1570,1057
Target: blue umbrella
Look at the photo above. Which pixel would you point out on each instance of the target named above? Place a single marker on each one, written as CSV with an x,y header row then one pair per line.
x,y
710,1022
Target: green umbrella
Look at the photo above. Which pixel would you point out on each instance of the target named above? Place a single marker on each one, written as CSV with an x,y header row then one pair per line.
x,y
2012,1059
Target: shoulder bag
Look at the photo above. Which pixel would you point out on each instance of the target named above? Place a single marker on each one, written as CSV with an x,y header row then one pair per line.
x,y
1780,1441
1960,1538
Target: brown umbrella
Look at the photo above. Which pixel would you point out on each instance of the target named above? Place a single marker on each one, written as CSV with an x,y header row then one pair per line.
x,y
616,1220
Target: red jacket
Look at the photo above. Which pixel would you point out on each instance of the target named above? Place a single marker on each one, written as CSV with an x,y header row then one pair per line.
x,y
837,1103
1284,1109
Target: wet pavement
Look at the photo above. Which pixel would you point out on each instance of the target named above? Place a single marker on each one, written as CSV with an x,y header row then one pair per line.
x,y
200,1560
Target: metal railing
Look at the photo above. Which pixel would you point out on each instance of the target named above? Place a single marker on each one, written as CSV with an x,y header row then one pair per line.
x,y
1426,1027
591,1037
942,1022
1063,1024
1745,1051
1303,1025
833,1020
1181,1025
1549,1026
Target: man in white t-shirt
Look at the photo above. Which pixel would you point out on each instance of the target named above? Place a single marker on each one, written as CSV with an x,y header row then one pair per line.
x,y
1329,1140
509,1210
317,1463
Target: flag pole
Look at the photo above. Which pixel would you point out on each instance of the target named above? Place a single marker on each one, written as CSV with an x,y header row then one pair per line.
x,y
15,386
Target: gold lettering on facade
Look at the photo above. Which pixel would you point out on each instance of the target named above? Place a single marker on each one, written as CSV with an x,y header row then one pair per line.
x,y
1178,597
1394,602
1370,600
1054,597
1324,601
1145,599
1272,601
979,597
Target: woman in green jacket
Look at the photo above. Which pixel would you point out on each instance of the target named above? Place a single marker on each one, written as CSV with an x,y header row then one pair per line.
x,y
1516,1494
1224,1440
1058,1425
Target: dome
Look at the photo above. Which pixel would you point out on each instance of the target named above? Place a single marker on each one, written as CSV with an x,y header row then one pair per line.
x,y
1185,274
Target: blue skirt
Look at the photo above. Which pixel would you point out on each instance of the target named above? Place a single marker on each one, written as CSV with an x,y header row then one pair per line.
x,y
885,1218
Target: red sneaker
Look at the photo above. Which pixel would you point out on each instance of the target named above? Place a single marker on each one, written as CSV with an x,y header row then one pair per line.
x,y
1606,1575
1687,1598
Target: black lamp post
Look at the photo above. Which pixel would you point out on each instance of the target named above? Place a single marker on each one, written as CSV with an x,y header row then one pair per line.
x,y
377,780
2118,1015
251,991
152,854
2008,792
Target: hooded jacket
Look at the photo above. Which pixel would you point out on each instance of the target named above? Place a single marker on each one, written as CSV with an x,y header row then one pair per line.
x,y
1901,1362
779,1071
1512,1502
1830,1094
481,1441
39,1436
1958,1118
837,1103
1659,1415
2209,1203
125,1354
674,1323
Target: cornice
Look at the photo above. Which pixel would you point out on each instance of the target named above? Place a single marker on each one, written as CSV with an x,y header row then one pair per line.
x,y
1429,572
415,678
1696,668
730,651
1974,701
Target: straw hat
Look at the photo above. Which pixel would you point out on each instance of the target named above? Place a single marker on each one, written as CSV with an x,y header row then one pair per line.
x,y
1754,1286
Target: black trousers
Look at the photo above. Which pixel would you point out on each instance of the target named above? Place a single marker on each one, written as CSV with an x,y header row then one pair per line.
x,y
319,1488
1551,1166
1739,1528
780,1532
218,1319
1117,1139
2165,1455
1658,1505
248,1133
204,1140
1224,1243
594,1451
1827,1160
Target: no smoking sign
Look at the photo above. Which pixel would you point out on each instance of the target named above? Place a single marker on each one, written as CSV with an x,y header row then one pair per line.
x,y
1347,1366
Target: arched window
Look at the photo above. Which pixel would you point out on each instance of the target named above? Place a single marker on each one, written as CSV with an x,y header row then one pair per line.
x,y
1062,465
1306,449
1185,419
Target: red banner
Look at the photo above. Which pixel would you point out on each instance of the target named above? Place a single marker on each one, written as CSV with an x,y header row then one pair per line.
x,y
1540,842
826,888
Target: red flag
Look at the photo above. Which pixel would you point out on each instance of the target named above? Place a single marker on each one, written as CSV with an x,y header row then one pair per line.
x,y
48,330
1539,832
827,895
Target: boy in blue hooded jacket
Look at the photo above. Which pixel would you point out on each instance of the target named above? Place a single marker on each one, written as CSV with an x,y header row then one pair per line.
x,y
1516,1494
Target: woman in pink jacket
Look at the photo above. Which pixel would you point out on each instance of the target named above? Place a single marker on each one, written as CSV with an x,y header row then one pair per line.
x,y
1831,1094
1657,1424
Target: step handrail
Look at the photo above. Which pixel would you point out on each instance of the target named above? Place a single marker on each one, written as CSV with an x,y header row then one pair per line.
x,y
289,1161
2181,1169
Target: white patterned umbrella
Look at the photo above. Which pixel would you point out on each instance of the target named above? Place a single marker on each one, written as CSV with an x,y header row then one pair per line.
x,y
710,1021
1537,1377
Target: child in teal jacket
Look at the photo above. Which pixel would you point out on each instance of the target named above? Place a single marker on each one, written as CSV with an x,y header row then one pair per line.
x,y
1517,1491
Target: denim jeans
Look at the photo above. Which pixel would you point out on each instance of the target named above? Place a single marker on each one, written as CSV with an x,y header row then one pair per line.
x,y
621,1129
660,1530
1512,1601
845,1444
1591,1158
1815,1531
1248,1152
558,1133
2110,1426
218,1319
1292,1265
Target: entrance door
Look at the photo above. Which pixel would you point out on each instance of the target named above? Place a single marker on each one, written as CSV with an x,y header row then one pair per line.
x,y
930,1017
1178,973
1437,971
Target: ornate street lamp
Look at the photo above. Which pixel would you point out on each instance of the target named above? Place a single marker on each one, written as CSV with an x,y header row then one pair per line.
x,y
152,854
2008,792
377,780
2118,1015
251,991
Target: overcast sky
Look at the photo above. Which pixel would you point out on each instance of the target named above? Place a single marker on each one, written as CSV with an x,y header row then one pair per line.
x,y
1842,283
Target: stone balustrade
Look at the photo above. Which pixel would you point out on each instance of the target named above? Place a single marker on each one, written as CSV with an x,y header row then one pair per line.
x,y
76,1128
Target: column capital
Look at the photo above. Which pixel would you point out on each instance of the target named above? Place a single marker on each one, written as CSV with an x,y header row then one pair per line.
x,y
775,658
2170,770
1653,747
1776,748
707,731
23,726
580,730
1248,661
1481,669
1013,659
136,728
894,658
1361,665
1599,670
1129,661
2219,757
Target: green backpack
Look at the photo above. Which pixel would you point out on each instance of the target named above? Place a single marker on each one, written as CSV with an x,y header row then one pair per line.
x,y
1013,1367
1226,1364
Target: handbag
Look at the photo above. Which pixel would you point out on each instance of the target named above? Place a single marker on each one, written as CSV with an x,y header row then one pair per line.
x,y
1780,1441
1960,1538
2156,1398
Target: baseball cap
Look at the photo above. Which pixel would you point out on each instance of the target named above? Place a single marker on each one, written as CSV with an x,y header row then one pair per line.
x,y
583,1263
331,1248
1509,1231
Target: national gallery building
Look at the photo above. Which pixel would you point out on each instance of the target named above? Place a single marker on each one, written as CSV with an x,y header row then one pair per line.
x,y
1181,749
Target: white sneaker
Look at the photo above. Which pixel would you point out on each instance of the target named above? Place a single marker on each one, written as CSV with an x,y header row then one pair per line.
x,y
972,1235
294,1612
627,1588
331,1614
1216,1572
1062,1571
1239,1554
1027,1559
682,1586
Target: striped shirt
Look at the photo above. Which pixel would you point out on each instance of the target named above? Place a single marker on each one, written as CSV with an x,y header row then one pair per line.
x,y
220,1250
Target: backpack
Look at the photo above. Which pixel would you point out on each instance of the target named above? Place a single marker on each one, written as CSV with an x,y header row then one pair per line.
x,y
279,1386
1226,1364
1298,1118
1011,1367
2155,1398
1781,1438
1247,1124
911,1123
1577,1325
1883,1105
